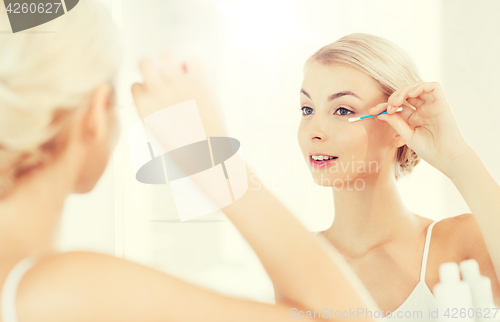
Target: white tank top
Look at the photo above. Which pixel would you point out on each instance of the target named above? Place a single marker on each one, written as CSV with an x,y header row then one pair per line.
x,y
9,288
420,302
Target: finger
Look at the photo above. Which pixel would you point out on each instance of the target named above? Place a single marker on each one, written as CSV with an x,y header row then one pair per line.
x,y
193,65
394,109
150,73
138,91
379,108
402,97
194,68
415,101
399,124
424,96
396,96
406,113
428,92
170,66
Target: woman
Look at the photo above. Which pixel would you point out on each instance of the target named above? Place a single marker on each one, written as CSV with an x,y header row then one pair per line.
x,y
384,242
57,130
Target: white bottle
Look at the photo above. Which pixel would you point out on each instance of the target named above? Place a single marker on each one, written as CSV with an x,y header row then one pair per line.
x,y
480,286
453,296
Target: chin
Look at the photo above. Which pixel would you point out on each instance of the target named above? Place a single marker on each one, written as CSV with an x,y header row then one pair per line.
x,y
327,181
92,172
85,188
89,179
349,181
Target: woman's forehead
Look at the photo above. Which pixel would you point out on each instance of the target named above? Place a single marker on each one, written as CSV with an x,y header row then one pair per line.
x,y
319,77
334,72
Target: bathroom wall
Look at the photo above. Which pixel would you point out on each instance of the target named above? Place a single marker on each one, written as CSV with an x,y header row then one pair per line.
x,y
471,47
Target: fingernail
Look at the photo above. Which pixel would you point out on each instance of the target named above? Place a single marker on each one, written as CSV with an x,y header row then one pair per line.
x,y
395,99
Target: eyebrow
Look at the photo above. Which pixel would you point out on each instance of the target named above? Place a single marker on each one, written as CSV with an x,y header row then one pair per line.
x,y
334,96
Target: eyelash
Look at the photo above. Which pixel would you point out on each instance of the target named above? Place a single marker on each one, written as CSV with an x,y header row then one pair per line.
x,y
343,108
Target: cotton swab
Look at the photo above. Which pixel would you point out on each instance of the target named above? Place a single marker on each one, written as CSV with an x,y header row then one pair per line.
x,y
354,119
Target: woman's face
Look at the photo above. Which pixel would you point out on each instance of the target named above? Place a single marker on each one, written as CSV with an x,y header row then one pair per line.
x,y
330,95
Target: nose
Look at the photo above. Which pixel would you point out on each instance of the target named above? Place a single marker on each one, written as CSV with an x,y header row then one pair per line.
x,y
318,129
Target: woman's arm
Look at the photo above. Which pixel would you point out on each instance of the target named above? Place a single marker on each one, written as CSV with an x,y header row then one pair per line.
x,y
482,194
433,133
83,286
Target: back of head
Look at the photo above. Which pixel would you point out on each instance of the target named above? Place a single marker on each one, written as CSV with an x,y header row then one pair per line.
x,y
47,73
385,62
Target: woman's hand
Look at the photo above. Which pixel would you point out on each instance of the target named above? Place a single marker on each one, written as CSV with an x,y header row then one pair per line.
x,y
430,129
173,82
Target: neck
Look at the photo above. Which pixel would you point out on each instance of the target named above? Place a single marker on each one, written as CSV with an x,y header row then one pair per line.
x,y
30,214
369,217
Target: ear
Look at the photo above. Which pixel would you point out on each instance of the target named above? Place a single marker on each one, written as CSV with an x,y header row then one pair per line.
x,y
95,119
398,141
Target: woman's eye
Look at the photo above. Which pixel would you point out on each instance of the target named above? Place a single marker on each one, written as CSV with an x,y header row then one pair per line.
x,y
344,111
306,108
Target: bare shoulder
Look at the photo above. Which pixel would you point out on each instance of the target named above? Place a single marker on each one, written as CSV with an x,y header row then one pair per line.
x,y
86,286
455,234
61,286
461,233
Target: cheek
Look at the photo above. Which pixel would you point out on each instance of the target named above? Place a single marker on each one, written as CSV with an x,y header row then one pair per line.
x,y
353,142
301,138
364,141
378,139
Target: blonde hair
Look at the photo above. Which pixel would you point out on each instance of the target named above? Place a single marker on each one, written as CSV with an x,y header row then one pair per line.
x,y
385,62
47,73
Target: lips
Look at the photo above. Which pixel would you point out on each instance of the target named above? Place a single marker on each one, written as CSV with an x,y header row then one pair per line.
x,y
310,154
321,164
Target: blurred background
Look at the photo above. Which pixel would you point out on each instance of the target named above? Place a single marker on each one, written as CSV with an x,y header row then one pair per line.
x,y
253,52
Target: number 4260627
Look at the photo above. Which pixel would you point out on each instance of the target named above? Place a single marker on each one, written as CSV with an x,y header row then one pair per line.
x,y
33,7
